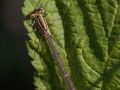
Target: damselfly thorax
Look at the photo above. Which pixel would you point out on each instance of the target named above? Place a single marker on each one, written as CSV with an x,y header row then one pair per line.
x,y
38,16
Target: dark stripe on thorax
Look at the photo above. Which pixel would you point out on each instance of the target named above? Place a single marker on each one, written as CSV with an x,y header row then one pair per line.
x,y
41,23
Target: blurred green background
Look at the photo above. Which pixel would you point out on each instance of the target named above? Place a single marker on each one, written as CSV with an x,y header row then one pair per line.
x,y
15,67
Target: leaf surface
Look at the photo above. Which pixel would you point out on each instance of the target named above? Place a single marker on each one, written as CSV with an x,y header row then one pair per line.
x,y
87,36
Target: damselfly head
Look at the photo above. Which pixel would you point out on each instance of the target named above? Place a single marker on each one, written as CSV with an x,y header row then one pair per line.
x,y
37,13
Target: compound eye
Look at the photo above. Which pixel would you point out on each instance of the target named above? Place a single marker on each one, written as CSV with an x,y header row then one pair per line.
x,y
32,15
41,10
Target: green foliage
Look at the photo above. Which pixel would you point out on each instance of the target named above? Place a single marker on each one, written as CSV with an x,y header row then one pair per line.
x,y
87,35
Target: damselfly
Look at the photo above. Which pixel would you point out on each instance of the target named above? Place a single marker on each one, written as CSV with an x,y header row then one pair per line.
x,y
38,16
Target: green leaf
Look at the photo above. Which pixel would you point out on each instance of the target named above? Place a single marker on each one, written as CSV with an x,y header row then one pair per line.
x,y
87,36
